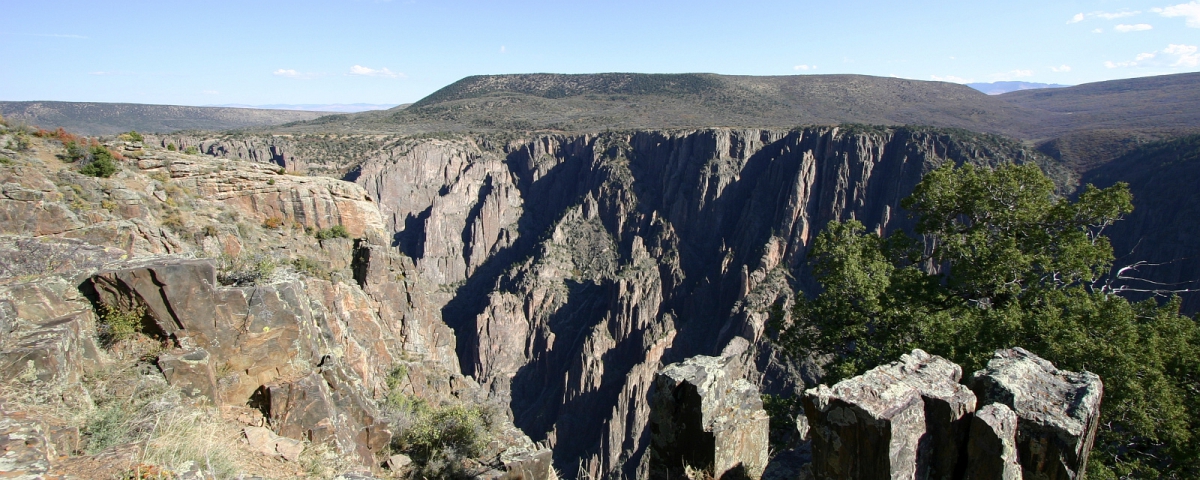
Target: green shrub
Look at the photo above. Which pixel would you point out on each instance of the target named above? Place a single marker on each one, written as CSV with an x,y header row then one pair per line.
x,y
75,152
19,142
116,324
336,231
310,267
135,136
5,161
171,147
457,430
191,150
102,164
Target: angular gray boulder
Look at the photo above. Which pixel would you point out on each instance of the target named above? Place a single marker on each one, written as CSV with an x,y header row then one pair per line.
x,y
1058,411
704,416
875,425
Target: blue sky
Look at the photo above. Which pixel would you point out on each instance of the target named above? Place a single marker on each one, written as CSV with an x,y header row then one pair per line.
x,y
372,51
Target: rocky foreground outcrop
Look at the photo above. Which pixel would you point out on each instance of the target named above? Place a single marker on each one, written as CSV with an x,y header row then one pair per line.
x,y
912,419
241,297
704,416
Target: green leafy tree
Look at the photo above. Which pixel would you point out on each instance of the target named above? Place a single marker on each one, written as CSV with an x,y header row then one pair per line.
x,y
1000,261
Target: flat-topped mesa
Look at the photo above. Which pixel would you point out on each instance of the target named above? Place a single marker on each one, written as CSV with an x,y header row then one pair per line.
x,y
1058,411
902,420
704,417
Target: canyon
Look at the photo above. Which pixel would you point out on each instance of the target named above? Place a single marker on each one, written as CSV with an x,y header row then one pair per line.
x,y
548,274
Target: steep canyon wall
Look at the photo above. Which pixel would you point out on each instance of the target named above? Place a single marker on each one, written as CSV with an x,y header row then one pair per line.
x,y
571,267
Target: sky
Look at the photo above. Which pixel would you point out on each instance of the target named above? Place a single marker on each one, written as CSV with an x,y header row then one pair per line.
x,y
391,52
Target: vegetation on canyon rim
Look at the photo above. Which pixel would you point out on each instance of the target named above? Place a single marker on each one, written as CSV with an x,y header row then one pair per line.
x,y
1001,261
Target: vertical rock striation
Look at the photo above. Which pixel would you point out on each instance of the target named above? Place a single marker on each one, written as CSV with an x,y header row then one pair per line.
x,y
571,267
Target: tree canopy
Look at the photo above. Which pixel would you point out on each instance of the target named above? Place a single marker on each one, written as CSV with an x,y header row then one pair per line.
x,y
997,261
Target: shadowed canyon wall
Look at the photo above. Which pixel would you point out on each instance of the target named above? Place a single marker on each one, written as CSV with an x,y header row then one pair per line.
x,y
571,267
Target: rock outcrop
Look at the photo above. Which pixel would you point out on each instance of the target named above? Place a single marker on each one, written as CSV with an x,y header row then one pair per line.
x,y
1058,411
704,416
912,419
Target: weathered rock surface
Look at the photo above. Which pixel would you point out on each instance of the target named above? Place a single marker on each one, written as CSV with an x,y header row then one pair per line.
x,y
705,416
992,450
1058,411
268,443
26,451
192,371
869,426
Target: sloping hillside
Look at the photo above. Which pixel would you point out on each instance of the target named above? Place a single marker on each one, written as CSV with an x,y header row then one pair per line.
x,y
93,118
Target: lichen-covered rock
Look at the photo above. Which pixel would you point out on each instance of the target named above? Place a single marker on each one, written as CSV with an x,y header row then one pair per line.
x,y
992,450
948,407
705,417
866,427
1058,411
192,371
24,451
51,351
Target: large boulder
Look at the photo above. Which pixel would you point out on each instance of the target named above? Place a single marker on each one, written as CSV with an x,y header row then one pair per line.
x,y
327,406
704,416
1058,411
258,333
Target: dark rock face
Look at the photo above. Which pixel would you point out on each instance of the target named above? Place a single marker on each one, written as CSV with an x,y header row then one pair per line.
x,y
315,409
703,415
569,266
1058,411
992,451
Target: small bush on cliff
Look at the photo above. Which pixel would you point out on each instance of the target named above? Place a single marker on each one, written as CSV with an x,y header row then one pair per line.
x,y
171,147
1015,267
19,142
439,438
191,150
336,231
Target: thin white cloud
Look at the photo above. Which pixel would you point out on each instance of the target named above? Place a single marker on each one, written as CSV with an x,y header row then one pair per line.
x,y
1190,11
1079,17
1139,27
1098,30
1187,55
1115,15
503,50
1174,56
1021,73
804,67
950,78
372,72
292,73
1061,69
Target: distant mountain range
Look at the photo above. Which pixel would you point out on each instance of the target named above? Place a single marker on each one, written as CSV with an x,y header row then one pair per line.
x,y
624,101
996,88
317,107
90,118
